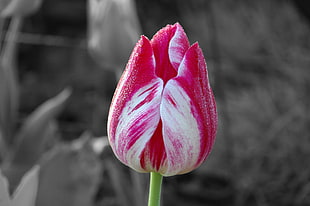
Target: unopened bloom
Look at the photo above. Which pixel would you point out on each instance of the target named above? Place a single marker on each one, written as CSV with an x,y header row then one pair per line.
x,y
163,115
113,30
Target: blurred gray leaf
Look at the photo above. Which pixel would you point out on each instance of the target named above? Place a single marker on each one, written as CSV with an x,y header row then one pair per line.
x,y
70,175
38,129
20,7
4,191
9,89
8,93
25,194
3,146
33,134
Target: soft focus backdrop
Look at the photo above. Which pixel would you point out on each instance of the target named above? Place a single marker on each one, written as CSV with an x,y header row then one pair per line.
x,y
258,60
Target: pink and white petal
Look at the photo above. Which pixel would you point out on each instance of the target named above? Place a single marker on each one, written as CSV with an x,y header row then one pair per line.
x,y
137,124
209,103
160,44
181,130
138,90
139,72
154,157
193,78
178,46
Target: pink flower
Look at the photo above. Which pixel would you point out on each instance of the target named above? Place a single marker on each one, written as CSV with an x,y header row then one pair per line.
x,y
163,114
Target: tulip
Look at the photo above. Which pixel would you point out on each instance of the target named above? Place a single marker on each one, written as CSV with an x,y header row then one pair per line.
x,y
163,116
3,4
113,30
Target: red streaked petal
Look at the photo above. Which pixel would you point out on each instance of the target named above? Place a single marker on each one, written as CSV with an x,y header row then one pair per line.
x,y
137,123
181,131
178,46
160,44
169,46
193,78
188,112
134,111
153,157
142,64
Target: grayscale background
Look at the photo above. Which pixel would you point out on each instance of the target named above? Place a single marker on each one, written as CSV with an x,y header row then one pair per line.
x,y
258,57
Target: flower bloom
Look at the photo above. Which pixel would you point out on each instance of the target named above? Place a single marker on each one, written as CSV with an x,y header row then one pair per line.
x,y
113,29
163,115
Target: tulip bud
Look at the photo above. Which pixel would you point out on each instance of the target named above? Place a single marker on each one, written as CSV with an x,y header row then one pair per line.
x,y
3,4
114,29
19,7
163,114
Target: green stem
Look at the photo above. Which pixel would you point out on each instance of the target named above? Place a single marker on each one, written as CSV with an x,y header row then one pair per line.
x,y
155,189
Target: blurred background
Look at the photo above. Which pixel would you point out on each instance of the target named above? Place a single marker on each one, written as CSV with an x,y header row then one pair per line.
x,y
258,60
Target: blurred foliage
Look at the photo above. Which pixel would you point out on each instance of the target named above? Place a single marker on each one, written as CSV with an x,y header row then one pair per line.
x,y
113,30
26,192
70,175
257,55
262,57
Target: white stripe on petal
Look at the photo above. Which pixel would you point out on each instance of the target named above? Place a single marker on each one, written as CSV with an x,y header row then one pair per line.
x,y
137,123
180,129
178,46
